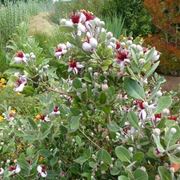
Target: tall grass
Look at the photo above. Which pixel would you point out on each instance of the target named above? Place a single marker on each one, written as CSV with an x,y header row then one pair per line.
x,y
115,24
12,14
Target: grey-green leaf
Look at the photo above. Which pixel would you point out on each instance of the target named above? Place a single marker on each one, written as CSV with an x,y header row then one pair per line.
x,y
133,88
123,154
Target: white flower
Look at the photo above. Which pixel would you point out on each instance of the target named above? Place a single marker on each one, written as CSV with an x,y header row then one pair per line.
x,y
55,111
20,57
20,83
61,50
42,170
1,171
14,169
74,66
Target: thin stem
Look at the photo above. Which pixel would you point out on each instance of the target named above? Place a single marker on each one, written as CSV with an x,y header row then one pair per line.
x,y
90,139
58,91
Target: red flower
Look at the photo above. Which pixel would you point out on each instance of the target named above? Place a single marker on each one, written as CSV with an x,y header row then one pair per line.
x,y
140,104
173,118
20,54
58,49
121,56
75,18
56,109
72,64
118,45
89,15
157,116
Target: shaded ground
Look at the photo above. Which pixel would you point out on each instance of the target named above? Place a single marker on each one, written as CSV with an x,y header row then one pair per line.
x,y
172,83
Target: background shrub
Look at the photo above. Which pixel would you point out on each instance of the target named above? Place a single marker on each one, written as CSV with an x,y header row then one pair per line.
x,y
137,19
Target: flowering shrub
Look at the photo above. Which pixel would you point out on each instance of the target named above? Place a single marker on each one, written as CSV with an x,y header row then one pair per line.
x,y
98,111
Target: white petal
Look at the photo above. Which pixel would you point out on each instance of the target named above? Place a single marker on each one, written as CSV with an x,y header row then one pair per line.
x,y
62,46
57,54
81,28
18,59
82,18
143,114
18,169
75,70
79,65
39,169
43,174
20,88
69,23
86,46
1,171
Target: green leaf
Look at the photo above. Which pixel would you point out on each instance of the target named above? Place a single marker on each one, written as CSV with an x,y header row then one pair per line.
x,y
164,173
163,102
123,154
104,156
82,159
113,127
123,178
77,83
152,69
174,159
133,119
102,98
150,55
133,88
74,123
115,171
171,139
138,156
106,64
158,143
139,174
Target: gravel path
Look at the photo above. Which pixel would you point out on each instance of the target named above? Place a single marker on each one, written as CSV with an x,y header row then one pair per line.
x,y
172,83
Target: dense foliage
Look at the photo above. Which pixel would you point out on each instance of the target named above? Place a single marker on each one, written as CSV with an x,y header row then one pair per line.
x,y
137,19
88,107
166,17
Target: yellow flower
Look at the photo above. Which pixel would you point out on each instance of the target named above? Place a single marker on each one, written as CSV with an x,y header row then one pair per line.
x,y
3,81
38,117
41,159
1,118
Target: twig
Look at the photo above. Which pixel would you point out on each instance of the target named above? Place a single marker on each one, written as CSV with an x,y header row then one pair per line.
x,y
90,140
58,91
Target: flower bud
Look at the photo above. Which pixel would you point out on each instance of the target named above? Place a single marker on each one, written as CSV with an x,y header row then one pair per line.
x,y
130,149
93,42
173,130
104,87
142,61
109,35
156,131
166,111
159,93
